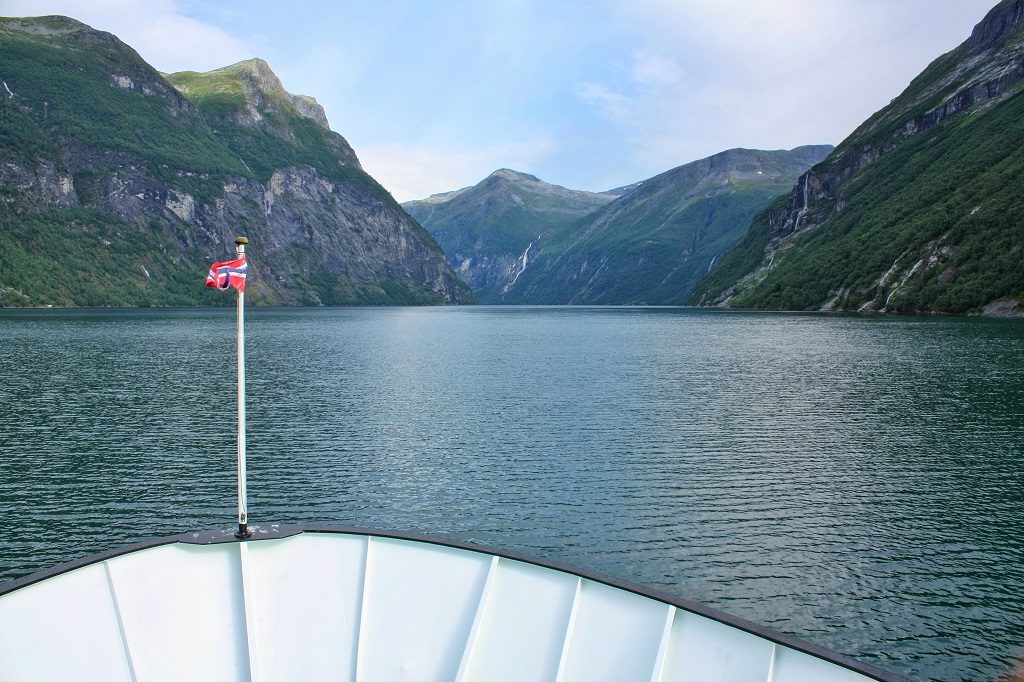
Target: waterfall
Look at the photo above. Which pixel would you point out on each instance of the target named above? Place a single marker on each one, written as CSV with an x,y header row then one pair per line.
x,y
521,262
800,213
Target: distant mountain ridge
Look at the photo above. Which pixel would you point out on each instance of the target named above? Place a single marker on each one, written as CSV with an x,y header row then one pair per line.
x,y
919,210
516,239
119,185
487,230
653,243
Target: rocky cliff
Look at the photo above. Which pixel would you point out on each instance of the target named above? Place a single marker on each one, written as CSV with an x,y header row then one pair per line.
x,y
118,185
491,231
918,210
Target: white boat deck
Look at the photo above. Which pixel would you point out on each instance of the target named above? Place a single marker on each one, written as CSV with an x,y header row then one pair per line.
x,y
320,605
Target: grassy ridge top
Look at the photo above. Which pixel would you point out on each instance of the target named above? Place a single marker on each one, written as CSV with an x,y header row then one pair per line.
x,y
249,87
216,93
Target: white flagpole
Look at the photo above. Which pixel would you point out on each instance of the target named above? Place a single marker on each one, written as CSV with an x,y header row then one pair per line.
x,y
243,520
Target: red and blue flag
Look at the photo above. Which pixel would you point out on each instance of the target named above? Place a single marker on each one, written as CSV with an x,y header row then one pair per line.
x,y
228,274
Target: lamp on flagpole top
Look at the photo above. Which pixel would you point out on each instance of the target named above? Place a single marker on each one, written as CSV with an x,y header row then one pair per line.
x,y
243,520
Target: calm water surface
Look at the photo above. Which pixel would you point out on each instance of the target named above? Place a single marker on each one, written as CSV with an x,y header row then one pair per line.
x,y
857,482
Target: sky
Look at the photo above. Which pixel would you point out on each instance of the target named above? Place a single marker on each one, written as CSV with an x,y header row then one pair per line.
x,y
434,95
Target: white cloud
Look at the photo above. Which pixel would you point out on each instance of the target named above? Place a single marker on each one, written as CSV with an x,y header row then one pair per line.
x,y
417,172
610,104
655,70
713,74
158,30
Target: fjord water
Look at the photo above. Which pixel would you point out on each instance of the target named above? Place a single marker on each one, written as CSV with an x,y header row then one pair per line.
x,y
853,481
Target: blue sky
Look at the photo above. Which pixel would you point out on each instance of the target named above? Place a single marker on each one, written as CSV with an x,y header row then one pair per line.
x,y
590,95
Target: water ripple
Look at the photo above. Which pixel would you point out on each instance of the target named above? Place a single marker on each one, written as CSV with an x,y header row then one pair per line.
x,y
854,481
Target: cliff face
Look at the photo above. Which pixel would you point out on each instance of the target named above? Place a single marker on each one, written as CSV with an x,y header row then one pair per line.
x,y
652,243
913,211
119,186
490,230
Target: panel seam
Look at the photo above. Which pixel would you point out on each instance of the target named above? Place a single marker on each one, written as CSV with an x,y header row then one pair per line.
x,y
120,621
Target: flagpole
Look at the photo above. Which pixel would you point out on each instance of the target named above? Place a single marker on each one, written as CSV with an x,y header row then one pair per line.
x,y
243,521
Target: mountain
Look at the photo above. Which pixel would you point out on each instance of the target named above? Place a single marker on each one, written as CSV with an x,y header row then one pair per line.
x,y
119,186
919,210
654,242
490,230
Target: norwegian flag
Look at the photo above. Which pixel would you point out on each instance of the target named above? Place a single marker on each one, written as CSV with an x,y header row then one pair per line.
x,y
228,274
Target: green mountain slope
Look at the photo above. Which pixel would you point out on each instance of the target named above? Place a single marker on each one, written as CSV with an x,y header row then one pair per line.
x,y
490,230
919,210
650,245
117,188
